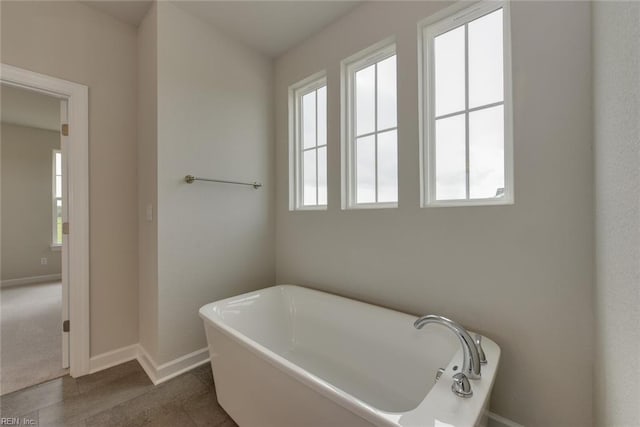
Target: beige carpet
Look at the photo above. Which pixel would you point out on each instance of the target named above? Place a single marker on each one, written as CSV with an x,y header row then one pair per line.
x,y
30,335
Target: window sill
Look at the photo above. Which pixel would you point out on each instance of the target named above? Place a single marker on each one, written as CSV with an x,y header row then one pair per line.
x,y
469,203
56,248
309,208
371,206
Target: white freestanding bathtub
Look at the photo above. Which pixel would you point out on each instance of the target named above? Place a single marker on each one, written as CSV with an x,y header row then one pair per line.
x,y
288,356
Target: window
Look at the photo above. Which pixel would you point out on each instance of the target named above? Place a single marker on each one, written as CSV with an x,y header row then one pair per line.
x,y
308,144
370,139
466,126
57,198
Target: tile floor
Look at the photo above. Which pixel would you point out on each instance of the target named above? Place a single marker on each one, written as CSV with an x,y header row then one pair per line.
x,y
119,396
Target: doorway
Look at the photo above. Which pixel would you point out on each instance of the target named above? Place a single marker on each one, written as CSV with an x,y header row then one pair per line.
x,y
34,278
60,298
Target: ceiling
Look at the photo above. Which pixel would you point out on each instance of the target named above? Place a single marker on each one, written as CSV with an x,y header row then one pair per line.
x,y
271,27
27,108
129,11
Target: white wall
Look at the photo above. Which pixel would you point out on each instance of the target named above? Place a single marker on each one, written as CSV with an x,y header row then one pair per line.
x,y
71,41
27,208
147,180
616,42
521,274
215,120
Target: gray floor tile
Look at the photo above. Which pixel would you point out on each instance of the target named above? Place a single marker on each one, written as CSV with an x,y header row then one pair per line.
x,y
169,416
204,374
161,415
205,411
36,397
89,382
139,410
102,419
228,423
84,405
121,396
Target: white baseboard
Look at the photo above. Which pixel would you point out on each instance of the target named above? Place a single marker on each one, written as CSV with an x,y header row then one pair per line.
x,y
161,373
147,364
496,420
156,373
30,280
113,358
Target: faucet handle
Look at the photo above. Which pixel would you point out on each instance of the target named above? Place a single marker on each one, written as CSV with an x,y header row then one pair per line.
x,y
483,357
461,386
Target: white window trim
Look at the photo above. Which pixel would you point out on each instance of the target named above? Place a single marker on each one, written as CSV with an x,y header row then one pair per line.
x,y
54,222
439,23
296,92
349,67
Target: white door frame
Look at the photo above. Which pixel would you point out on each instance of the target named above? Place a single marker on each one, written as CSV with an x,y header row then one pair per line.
x,y
77,97
64,148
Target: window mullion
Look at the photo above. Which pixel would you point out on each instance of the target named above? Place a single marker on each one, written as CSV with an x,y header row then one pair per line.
x,y
298,151
456,113
375,125
300,177
486,106
352,167
466,107
316,147
366,134
446,116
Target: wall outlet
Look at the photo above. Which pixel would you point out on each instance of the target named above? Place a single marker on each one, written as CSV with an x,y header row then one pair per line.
x,y
149,213
43,261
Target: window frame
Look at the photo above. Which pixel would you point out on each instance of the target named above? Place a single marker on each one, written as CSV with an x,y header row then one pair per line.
x,y
54,199
449,19
349,67
296,150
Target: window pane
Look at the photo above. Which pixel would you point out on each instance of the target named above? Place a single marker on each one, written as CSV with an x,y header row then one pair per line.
x,y
449,71
309,188
388,166
309,120
486,153
450,158
387,110
58,186
59,222
322,176
58,163
485,60
322,116
366,170
365,100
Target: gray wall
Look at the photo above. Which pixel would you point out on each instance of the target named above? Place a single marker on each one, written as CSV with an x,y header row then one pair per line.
x,y
616,42
215,119
27,202
71,41
521,274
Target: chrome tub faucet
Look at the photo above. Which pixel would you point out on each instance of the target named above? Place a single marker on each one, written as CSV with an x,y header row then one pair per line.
x,y
471,348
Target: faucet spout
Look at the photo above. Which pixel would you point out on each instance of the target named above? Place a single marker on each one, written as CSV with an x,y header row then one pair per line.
x,y
471,362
